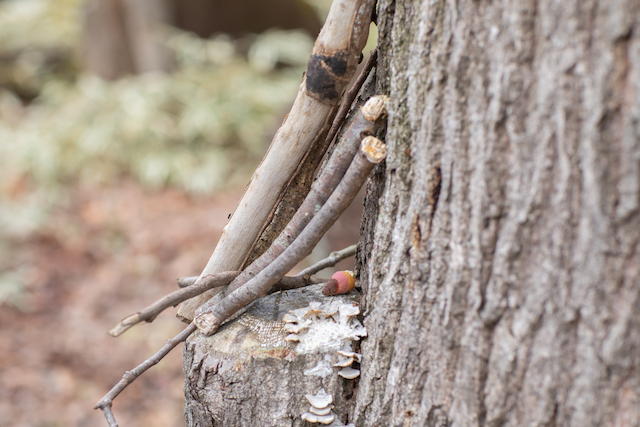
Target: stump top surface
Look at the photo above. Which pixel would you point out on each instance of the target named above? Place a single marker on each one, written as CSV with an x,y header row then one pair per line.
x,y
260,331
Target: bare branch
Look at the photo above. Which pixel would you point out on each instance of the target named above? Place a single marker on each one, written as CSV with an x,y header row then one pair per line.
x,y
330,261
105,403
149,313
365,122
331,65
185,281
287,283
372,151
106,410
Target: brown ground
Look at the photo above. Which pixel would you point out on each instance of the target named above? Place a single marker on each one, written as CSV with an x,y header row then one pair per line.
x,y
98,260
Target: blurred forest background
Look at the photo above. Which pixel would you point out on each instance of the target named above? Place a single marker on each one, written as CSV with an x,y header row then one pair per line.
x,y
128,130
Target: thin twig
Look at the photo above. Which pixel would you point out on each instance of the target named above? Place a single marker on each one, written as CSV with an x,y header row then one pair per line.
x,y
149,313
105,403
108,414
330,261
185,281
372,151
287,283
365,122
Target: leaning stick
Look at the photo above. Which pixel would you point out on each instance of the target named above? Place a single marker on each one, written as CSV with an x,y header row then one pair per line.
x,y
332,64
365,122
300,183
372,151
105,403
333,258
210,281
149,313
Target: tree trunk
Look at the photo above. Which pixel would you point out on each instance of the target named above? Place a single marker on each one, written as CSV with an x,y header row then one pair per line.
x,y
502,278
499,251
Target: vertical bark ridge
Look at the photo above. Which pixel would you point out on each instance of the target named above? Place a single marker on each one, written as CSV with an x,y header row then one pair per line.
x,y
512,302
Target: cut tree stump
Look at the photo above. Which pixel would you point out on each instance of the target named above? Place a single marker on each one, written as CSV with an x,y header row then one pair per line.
x,y
247,374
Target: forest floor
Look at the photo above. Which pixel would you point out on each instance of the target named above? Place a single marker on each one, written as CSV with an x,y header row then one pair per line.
x,y
102,257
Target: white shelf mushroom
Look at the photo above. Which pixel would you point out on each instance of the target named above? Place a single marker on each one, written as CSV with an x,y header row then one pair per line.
x,y
343,361
292,337
324,326
349,310
322,419
290,318
353,354
331,308
321,412
349,373
300,312
296,328
315,309
320,400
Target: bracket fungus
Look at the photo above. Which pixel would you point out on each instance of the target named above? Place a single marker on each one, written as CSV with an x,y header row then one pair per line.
x,y
349,373
320,409
322,419
321,412
320,400
343,362
353,354
324,326
327,327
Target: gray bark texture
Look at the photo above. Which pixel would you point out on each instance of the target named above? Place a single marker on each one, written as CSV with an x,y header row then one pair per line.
x,y
500,261
499,253
248,375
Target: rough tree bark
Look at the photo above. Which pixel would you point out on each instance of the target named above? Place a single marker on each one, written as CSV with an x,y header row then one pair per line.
x,y
499,255
502,278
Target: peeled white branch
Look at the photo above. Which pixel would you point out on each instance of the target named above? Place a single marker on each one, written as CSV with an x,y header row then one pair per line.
x,y
332,64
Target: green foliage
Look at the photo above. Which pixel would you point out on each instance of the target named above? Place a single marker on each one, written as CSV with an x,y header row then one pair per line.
x,y
27,24
201,128
198,128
